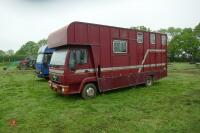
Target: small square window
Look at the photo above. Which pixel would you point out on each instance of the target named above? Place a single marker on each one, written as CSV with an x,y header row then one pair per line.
x,y
164,40
119,46
153,38
139,37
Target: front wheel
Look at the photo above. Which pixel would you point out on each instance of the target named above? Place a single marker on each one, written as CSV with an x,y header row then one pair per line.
x,y
89,91
149,81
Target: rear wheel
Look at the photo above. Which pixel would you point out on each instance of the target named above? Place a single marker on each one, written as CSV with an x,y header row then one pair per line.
x,y
149,81
89,91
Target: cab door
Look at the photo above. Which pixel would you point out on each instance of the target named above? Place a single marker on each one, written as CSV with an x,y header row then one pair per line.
x,y
79,65
46,62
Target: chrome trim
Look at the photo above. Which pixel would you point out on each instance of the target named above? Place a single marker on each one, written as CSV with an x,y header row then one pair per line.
x,y
120,68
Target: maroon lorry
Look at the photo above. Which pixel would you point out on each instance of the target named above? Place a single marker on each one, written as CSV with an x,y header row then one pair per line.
x,y
91,58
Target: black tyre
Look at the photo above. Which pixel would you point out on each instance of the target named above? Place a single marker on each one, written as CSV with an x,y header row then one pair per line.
x,y
89,91
149,81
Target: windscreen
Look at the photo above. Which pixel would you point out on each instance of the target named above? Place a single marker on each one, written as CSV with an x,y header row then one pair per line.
x,y
39,58
58,57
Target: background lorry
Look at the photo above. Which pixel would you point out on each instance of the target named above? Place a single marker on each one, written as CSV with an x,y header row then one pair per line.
x,y
27,63
42,62
91,58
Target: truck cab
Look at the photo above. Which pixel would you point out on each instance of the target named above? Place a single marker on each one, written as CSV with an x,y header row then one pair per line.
x,y
69,66
42,62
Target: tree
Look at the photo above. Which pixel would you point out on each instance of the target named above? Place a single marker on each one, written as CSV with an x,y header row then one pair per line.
x,y
10,52
197,31
42,42
174,31
2,53
171,32
184,45
142,28
174,48
190,44
28,49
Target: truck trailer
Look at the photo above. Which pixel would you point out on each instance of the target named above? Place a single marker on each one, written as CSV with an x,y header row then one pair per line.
x,y
91,58
42,62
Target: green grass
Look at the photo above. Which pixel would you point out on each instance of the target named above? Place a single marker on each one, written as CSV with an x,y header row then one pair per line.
x,y
170,105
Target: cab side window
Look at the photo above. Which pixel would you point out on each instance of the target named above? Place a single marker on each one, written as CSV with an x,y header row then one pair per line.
x,y
72,59
77,57
81,56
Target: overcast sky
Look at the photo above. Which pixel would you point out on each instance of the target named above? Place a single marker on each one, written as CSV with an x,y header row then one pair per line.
x,y
25,20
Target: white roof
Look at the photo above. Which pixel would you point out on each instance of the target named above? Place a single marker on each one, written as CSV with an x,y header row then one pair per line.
x,y
58,38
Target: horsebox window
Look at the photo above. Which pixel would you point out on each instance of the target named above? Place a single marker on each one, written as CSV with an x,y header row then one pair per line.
x,y
119,46
140,37
153,38
164,40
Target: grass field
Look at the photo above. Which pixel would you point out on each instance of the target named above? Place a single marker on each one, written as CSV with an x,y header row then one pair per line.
x,y
170,105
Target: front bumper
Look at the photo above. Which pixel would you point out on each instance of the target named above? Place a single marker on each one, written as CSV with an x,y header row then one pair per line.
x,y
59,88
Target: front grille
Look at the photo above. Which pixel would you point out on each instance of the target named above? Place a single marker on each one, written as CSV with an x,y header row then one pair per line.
x,y
55,78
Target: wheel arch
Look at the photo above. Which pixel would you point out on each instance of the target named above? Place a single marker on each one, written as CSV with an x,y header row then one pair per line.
x,y
88,80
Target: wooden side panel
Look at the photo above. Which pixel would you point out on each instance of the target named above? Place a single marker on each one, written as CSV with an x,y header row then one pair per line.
x,y
133,56
152,55
115,78
93,34
70,33
105,47
118,59
81,33
146,49
124,34
133,51
105,81
140,52
158,54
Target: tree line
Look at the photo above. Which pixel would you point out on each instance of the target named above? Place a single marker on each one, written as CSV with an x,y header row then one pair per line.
x,y
29,49
183,45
